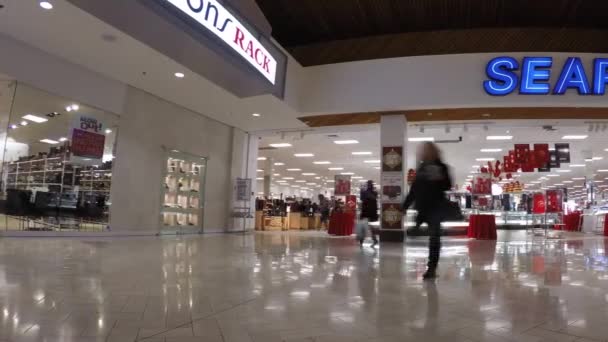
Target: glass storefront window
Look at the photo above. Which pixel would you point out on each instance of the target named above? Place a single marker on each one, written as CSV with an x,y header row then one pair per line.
x,y
57,163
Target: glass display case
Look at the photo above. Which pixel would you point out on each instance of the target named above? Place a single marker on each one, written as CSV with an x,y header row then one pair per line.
x,y
183,195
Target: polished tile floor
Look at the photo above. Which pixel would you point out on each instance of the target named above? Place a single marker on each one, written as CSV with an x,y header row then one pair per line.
x,y
296,287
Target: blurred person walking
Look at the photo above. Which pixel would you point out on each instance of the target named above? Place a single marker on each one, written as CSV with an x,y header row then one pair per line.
x,y
369,212
428,195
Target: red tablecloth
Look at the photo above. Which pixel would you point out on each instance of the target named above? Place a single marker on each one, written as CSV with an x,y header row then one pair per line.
x,y
606,225
572,222
341,224
482,227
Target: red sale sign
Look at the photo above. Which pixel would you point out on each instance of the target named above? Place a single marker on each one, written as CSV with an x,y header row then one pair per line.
x,y
87,144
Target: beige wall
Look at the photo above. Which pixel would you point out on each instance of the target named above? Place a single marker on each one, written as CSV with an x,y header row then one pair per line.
x,y
148,124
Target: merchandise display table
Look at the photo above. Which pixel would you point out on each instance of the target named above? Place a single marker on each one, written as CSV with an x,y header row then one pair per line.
x,y
341,224
571,222
482,227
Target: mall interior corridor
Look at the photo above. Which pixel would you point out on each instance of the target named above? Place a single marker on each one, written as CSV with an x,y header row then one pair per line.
x,y
268,287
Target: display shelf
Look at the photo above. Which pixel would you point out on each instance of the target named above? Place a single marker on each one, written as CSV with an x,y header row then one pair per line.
x,y
178,186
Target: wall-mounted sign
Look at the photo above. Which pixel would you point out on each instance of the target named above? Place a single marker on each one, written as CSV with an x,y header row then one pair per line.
x,y
392,159
217,19
533,76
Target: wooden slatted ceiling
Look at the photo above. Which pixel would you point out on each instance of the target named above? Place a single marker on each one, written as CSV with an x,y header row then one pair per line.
x,y
416,27
460,114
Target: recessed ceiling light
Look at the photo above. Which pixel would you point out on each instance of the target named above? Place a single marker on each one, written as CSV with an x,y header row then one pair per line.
x,y
260,170
347,173
288,178
552,175
597,158
345,142
279,164
261,158
578,178
294,169
34,118
279,145
180,75
13,126
604,170
372,161
62,139
260,178
257,115
336,169
330,181
276,174
281,181
49,141
499,137
563,171
303,155
23,123
46,5
317,177
485,159
489,150
108,131
369,153
421,139
574,137
300,181
309,174
323,162
568,182
357,177
577,165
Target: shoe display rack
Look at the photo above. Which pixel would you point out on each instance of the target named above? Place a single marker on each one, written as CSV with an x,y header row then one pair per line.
x,y
183,192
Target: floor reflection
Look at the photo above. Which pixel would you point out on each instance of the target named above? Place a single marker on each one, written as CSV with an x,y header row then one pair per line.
x,y
302,286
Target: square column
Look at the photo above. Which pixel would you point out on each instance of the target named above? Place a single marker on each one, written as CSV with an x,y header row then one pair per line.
x,y
393,142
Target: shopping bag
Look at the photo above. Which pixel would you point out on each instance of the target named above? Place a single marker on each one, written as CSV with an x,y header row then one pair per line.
x,y
361,229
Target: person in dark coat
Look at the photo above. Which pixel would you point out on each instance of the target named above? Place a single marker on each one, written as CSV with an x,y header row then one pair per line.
x,y
369,209
428,195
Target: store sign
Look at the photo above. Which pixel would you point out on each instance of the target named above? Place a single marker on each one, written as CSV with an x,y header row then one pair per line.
x,y
217,19
537,76
243,189
88,140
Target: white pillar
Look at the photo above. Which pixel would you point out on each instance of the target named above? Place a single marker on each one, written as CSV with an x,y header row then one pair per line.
x,y
393,144
268,171
244,165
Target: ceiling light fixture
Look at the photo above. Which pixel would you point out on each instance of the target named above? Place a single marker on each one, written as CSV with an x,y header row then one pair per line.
x,y
260,170
261,158
336,169
563,171
300,181
309,174
279,164
13,126
575,137
303,155
24,123
347,173
499,137
288,178
49,141
46,5
490,150
257,115
34,118
180,75
62,139
345,142
280,145
369,153
372,161
577,165
419,139
356,177
323,162
108,131
485,159
294,170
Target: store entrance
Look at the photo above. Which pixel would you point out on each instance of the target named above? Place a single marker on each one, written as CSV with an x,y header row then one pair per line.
x,y
527,174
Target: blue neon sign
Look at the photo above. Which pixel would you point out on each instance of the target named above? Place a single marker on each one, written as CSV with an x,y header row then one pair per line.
x,y
536,78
